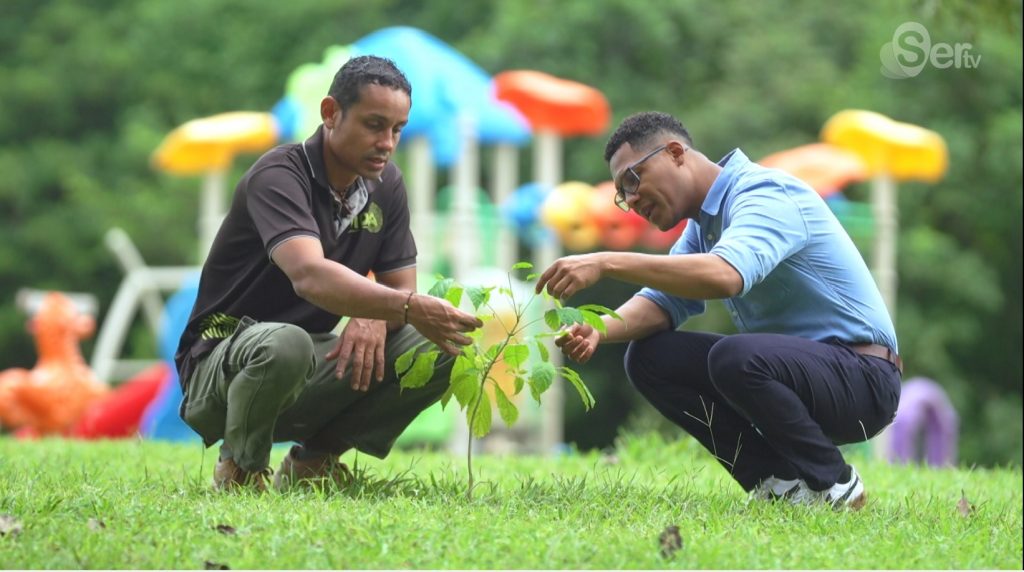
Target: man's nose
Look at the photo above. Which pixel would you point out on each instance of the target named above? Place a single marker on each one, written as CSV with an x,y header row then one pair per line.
x,y
387,142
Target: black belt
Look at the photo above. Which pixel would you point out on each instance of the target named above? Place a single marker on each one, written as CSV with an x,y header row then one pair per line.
x,y
879,351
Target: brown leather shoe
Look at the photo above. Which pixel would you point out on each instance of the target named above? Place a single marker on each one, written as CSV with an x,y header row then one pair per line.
x,y
227,476
319,470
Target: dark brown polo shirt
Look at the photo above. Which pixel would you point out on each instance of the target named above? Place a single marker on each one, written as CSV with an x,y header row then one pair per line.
x,y
283,195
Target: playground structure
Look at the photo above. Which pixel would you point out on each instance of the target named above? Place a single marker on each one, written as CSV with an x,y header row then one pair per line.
x,y
53,395
459,112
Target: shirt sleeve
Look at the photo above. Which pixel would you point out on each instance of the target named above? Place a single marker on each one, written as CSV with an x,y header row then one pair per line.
x,y
678,309
763,225
399,248
280,206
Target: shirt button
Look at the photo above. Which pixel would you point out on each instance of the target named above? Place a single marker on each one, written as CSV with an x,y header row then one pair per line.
x,y
710,236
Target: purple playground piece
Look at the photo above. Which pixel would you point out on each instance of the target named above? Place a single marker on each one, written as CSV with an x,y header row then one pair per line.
x,y
925,416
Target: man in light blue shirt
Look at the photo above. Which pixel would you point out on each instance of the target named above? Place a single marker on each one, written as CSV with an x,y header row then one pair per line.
x,y
816,362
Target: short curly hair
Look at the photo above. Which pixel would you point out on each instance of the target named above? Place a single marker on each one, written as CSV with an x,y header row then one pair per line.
x,y
640,129
364,70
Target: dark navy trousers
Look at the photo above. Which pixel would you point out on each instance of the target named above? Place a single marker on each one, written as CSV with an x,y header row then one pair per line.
x,y
767,404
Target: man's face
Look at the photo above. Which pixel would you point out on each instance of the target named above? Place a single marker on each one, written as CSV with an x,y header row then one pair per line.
x,y
643,180
361,140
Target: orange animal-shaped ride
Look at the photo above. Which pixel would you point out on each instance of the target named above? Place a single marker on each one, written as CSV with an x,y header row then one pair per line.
x,y
50,397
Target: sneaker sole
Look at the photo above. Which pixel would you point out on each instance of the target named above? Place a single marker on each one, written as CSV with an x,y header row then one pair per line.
x,y
857,503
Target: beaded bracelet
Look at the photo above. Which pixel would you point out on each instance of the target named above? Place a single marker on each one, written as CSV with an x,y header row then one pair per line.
x,y
408,304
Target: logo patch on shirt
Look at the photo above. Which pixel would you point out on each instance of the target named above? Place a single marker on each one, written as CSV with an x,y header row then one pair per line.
x,y
371,220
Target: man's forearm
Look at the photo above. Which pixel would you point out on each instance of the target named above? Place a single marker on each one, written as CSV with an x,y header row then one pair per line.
x,y
403,280
341,291
694,276
640,318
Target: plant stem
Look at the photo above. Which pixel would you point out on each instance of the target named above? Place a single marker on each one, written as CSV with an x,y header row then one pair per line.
x,y
480,395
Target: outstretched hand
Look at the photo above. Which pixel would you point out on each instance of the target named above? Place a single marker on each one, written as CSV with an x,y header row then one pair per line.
x,y
442,323
579,343
570,274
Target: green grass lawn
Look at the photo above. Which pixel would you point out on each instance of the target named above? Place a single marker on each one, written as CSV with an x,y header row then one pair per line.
x,y
136,504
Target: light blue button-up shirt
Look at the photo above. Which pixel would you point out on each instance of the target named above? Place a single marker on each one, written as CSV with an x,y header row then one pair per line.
x,y
802,275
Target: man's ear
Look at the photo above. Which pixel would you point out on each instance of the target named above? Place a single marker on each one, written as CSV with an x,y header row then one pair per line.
x,y
677,149
330,111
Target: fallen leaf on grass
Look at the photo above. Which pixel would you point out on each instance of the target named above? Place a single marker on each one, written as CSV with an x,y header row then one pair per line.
x,y
225,529
670,541
209,565
9,526
964,506
96,524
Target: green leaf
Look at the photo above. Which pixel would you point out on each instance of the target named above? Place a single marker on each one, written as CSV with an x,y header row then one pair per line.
x,y
404,361
594,321
421,371
519,265
542,350
551,319
454,295
492,352
568,316
581,388
506,408
462,363
516,355
479,295
465,387
480,421
599,309
447,396
441,287
520,383
532,276
540,380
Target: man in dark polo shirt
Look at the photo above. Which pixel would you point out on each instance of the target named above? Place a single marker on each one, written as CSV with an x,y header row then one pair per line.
x,y
258,361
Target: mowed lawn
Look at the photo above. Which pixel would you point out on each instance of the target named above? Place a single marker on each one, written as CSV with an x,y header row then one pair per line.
x,y
131,504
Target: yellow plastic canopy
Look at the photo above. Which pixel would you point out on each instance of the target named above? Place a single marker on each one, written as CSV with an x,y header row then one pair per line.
x,y
826,168
211,143
900,150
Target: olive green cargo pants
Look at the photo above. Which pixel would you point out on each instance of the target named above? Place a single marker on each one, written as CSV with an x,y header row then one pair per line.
x,y
269,382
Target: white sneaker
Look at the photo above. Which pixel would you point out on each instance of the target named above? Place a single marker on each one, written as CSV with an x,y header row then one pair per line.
x,y
846,495
840,495
773,488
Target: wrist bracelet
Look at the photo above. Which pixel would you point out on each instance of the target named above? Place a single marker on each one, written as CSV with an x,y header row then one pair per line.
x,y
408,304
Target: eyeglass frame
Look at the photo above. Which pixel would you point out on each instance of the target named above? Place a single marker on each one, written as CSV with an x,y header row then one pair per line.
x,y
621,194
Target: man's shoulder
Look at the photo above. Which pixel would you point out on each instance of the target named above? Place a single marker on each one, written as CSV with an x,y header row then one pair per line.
x,y
283,162
287,155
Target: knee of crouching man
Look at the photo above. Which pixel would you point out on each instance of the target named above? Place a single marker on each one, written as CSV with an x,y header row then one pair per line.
x,y
289,352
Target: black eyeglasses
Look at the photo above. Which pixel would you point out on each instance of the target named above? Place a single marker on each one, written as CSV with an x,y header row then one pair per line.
x,y
629,182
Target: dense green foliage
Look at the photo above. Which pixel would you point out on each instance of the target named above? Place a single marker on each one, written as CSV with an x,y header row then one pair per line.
x,y
148,505
89,88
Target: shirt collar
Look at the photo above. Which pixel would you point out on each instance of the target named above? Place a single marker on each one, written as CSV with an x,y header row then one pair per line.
x,y
313,151
732,165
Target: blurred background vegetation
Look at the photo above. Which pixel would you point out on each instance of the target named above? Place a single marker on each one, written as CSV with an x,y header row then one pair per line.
x,y
89,88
